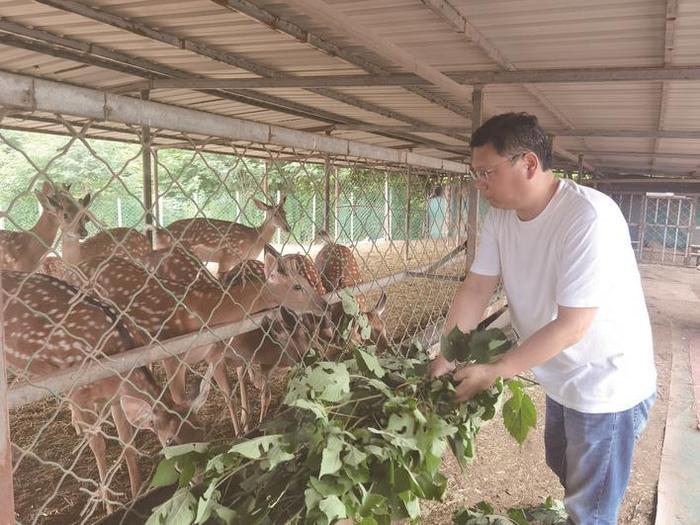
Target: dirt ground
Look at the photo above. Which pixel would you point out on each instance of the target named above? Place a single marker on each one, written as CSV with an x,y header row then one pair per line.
x,y
54,468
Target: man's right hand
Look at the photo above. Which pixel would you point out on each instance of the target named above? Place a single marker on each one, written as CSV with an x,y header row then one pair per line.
x,y
440,366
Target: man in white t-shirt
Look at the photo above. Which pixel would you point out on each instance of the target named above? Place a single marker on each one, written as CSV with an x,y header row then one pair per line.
x,y
576,304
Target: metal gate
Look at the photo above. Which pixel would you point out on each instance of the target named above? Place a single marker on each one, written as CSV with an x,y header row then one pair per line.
x,y
663,227
667,228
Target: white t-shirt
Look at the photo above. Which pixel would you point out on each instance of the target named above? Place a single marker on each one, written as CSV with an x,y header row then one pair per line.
x,y
576,253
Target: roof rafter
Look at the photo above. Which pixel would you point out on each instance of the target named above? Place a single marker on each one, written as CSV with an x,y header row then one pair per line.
x,y
206,50
669,43
625,74
454,17
307,37
48,43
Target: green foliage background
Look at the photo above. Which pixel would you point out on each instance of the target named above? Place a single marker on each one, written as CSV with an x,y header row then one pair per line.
x,y
205,184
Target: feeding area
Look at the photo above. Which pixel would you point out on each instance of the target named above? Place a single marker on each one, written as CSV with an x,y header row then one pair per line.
x,y
231,232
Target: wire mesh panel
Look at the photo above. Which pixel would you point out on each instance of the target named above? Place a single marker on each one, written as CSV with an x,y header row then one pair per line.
x,y
234,280
632,206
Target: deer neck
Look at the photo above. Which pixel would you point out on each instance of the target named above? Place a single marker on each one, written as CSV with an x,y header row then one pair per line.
x,y
71,248
219,307
45,229
267,229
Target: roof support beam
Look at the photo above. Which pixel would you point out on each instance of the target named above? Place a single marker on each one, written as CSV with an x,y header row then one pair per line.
x,y
669,43
382,47
624,133
629,74
453,17
627,133
218,55
307,37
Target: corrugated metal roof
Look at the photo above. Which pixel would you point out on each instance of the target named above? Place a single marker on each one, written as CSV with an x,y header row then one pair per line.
x,y
527,34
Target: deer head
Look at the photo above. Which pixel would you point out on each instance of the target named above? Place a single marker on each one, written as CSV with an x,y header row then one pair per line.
x,y
70,212
274,213
173,424
289,285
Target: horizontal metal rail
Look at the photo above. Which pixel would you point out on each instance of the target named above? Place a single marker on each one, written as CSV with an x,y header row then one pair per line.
x,y
20,91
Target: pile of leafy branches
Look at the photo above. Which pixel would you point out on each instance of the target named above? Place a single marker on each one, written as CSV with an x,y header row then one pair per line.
x,y
360,438
551,512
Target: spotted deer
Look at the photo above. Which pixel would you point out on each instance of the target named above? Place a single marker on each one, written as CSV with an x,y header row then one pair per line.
x,y
338,269
223,242
128,243
248,273
177,264
164,309
281,342
23,251
50,326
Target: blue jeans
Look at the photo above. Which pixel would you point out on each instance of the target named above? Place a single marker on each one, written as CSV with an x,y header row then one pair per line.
x,y
592,456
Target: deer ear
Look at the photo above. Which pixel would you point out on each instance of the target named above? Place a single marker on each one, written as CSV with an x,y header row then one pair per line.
x,y
283,198
137,411
47,188
381,305
261,205
273,262
86,200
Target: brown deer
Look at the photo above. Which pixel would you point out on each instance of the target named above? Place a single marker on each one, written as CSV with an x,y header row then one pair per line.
x,y
247,273
23,251
163,309
177,264
50,326
281,342
224,242
128,243
338,269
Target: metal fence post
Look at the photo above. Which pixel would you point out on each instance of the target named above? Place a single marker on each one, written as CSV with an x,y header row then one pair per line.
x,y
407,236
7,500
473,196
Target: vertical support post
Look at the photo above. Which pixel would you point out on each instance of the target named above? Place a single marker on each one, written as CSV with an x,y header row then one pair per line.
x,y
147,179
352,216
337,206
691,229
313,216
7,500
460,190
157,205
266,180
279,230
473,196
407,228
642,226
327,195
580,168
120,221
239,208
387,209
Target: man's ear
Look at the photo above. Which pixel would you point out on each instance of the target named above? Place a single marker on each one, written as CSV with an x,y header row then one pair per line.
x,y
531,163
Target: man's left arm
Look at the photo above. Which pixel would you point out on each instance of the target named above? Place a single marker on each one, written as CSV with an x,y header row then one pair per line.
x,y
566,330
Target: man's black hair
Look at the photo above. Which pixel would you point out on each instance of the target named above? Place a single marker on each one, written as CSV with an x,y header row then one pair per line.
x,y
513,133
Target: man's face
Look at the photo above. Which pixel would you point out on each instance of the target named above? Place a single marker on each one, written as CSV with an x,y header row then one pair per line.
x,y
504,178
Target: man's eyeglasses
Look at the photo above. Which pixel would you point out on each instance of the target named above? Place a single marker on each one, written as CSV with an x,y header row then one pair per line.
x,y
486,173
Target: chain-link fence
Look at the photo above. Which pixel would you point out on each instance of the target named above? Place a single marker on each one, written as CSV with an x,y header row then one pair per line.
x,y
208,263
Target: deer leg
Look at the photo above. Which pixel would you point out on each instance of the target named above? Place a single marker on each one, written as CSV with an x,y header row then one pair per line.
x,y
265,392
125,434
221,379
175,371
86,422
245,401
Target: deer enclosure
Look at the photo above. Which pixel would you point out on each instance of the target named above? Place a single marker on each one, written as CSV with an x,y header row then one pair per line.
x,y
157,288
